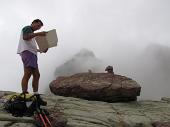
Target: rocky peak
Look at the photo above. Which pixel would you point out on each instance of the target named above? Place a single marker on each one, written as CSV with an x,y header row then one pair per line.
x,y
84,53
83,61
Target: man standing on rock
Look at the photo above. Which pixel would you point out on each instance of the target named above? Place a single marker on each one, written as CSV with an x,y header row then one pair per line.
x,y
27,49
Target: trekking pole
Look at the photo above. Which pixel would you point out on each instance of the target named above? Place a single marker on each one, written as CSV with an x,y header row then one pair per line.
x,y
41,117
46,118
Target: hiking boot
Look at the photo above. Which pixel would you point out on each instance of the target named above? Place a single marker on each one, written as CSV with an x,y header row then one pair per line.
x,y
25,92
40,101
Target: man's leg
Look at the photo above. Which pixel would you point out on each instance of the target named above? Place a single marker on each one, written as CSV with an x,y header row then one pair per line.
x,y
35,81
35,84
25,79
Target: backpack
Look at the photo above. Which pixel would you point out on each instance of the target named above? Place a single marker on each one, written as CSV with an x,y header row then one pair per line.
x,y
21,105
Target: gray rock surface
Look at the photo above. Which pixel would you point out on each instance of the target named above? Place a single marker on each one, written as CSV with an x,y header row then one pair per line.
x,y
84,113
97,86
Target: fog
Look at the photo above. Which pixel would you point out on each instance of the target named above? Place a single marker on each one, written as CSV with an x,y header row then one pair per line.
x,y
131,35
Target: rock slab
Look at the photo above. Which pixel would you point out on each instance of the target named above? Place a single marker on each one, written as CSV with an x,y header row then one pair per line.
x,y
97,86
84,113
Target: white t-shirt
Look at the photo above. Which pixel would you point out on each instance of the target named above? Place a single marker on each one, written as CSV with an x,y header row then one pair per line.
x,y
29,45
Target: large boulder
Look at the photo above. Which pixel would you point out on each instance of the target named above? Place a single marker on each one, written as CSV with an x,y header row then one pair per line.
x,y
97,86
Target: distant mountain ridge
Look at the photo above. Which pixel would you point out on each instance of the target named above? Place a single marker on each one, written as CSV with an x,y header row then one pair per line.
x,y
83,61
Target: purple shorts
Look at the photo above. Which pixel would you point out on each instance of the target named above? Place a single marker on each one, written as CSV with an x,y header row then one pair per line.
x,y
29,59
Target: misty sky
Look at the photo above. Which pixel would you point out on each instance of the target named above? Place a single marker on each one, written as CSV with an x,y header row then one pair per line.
x,y
119,32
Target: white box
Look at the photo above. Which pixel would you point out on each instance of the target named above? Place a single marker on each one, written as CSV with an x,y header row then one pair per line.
x,y
48,41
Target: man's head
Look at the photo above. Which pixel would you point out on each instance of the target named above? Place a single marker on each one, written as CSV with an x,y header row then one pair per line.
x,y
36,24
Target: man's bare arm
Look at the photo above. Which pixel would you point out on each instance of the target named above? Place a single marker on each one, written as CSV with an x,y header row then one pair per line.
x,y
32,35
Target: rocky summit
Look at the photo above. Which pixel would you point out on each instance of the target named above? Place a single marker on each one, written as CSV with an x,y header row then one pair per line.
x,y
106,87
75,112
